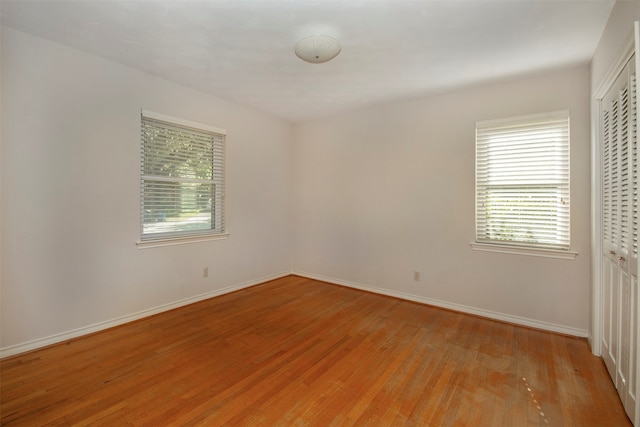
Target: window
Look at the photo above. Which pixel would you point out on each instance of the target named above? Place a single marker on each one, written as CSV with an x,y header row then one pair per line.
x,y
522,181
182,178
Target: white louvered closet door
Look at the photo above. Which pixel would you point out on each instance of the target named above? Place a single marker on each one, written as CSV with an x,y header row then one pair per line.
x,y
620,234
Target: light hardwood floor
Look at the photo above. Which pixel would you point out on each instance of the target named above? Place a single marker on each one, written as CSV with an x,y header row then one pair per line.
x,y
298,352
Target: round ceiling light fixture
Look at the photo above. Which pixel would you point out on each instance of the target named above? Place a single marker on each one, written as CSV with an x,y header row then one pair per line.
x,y
317,49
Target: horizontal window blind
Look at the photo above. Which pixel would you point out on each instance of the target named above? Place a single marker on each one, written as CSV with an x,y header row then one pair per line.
x,y
182,180
522,181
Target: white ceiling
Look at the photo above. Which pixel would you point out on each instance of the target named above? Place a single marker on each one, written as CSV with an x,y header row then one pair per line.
x,y
242,50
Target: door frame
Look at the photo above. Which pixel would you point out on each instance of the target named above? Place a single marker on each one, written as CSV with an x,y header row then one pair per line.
x,y
595,334
631,46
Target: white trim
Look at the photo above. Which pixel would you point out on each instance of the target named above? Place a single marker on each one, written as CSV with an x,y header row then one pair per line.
x,y
616,68
521,250
596,231
591,343
596,192
96,327
182,122
551,115
182,240
636,37
516,320
100,326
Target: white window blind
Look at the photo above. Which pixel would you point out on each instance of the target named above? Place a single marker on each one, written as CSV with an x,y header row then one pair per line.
x,y
182,178
522,181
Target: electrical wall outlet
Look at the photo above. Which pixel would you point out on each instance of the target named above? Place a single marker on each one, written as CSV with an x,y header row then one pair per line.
x,y
416,276
205,272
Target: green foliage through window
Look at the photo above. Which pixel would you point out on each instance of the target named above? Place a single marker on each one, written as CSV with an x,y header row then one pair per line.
x,y
182,180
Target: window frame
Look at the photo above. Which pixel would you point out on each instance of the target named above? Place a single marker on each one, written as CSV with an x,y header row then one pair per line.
x,y
520,124
218,143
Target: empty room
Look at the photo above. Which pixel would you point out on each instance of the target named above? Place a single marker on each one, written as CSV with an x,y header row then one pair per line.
x,y
319,212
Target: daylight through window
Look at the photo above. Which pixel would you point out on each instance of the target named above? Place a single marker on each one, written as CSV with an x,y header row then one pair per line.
x,y
522,181
182,178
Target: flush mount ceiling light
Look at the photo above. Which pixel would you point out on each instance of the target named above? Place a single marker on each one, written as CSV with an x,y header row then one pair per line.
x,y
317,49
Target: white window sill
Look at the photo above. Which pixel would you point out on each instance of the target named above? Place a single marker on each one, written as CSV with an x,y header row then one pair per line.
x,y
171,241
519,250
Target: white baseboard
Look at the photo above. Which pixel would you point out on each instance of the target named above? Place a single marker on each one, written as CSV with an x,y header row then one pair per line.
x,y
517,320
96,327
595,349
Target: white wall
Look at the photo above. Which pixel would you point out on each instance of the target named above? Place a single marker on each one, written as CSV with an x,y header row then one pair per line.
x,y
368,197
389,190
70,194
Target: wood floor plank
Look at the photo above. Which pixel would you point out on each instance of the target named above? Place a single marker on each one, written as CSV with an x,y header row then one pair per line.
x,y
298,352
